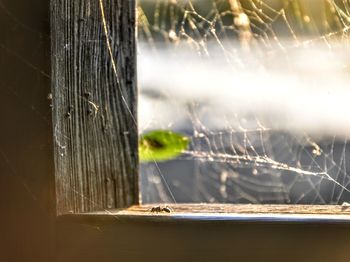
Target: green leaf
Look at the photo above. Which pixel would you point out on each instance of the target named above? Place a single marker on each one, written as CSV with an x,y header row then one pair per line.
x,y
161,145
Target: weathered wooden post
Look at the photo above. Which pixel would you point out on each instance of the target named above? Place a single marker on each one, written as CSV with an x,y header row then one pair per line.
x,y
94,104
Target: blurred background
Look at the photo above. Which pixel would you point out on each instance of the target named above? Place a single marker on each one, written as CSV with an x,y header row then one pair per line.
x,y
259,87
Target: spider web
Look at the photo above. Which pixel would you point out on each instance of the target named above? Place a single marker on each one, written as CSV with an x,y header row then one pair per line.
x,y
260,87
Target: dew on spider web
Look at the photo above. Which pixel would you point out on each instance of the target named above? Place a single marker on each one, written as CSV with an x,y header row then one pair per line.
x,y
260,88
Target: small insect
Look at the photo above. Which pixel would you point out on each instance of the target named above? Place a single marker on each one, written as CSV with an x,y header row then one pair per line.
x,y
160,209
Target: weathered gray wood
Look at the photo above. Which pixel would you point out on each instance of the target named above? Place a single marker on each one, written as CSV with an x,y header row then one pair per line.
x,y
94,104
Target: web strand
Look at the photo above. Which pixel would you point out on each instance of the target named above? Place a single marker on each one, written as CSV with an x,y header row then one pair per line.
x,y
239,154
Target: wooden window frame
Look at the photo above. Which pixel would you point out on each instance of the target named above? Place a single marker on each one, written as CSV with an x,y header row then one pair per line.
x,y
94,87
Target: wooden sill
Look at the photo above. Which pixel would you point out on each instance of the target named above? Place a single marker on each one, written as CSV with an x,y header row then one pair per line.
x,y
224,212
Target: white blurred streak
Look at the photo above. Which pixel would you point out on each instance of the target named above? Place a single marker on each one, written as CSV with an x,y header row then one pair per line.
x,y
306,89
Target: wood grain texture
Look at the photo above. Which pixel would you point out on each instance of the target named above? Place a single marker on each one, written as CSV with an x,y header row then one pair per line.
x,y
220,213
94,104
246,209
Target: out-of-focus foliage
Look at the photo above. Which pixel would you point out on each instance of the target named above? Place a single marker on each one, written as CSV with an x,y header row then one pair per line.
x,y
161,145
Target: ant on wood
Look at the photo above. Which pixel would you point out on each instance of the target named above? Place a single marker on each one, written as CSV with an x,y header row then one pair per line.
x,y
160,209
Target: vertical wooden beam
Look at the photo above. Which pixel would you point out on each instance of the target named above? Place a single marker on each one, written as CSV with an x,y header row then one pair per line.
x,y
94,104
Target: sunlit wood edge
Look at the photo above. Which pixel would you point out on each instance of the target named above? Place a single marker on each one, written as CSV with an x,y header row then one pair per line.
x,y
221,212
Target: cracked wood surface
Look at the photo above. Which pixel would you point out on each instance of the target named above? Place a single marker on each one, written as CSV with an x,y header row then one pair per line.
x,y
94,104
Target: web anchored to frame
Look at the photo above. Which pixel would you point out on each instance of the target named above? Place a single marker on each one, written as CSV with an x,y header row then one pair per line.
x,y
259,87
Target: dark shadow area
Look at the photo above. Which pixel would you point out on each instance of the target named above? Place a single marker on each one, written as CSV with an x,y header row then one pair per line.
x,y
26,160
